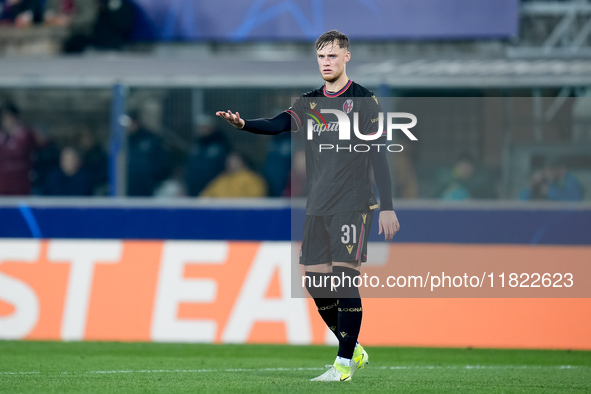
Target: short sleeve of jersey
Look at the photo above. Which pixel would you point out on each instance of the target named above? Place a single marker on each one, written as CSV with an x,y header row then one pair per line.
x,y
297,113
369,117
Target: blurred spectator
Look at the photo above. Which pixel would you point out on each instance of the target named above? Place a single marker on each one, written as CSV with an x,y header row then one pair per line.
x,y
9,9
466,182
172,187
113,25
78,15
553,182
94,158
278,163
538,187
71,178
17,143
207,156
21,13
296,185
407,185
148,163
237,181
63,12
45,159
103,24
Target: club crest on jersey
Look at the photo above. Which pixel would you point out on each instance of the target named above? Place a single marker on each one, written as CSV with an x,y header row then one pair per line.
x,y
348,106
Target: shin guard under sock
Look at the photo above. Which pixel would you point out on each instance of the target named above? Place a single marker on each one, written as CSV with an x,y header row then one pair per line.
x,y
349,310
319,287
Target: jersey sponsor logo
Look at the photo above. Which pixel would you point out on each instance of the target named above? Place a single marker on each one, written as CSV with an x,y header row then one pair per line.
x,y
320,124
320,128
376,99
364,216
312,105
349,248
343,334
348,106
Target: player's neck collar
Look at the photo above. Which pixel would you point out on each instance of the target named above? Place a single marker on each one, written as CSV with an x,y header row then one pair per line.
x,y
335,94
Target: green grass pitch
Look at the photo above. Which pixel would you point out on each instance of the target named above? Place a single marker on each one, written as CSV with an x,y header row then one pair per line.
x,y
87,367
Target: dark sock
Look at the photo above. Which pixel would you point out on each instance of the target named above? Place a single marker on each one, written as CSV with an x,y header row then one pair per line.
x,y
349,310
325,299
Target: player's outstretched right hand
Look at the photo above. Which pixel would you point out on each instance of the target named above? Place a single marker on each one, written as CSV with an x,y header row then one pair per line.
x,y
233,119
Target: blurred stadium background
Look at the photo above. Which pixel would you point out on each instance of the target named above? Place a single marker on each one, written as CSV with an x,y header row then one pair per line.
x,y
505,86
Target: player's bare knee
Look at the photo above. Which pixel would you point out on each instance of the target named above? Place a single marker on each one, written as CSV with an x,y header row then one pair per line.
x,y
325,268
355,265
319,285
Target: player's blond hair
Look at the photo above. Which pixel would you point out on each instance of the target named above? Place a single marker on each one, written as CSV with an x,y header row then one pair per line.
x,y
333,36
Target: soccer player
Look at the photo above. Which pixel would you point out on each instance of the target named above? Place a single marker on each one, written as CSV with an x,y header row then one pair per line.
x,y
340,200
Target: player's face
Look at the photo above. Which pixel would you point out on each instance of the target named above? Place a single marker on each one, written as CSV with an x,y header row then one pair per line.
x,y
331,61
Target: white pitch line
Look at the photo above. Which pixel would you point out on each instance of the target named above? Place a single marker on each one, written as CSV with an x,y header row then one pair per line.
x,y
19,373
393,367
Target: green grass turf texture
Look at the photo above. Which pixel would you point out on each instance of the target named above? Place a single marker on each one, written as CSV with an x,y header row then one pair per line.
x,y
105,367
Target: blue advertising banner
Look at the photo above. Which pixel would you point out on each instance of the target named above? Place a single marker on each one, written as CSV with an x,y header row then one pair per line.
x,y
282,223
305,20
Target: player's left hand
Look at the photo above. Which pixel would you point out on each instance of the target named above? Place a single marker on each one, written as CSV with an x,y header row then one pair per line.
x,y
388,224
